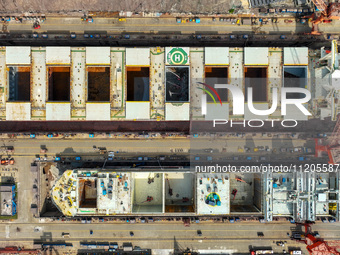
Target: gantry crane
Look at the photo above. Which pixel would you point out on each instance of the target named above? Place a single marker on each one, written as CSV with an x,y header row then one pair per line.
x,y
315,245
327,13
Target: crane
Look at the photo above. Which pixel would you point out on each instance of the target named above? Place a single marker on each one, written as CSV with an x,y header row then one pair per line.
x,y
327,13
315,245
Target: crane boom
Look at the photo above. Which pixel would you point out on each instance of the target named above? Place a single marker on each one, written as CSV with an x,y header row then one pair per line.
x,y
321,5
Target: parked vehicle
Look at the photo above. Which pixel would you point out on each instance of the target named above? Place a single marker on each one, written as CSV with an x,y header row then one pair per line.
x,y
65,235
260,234
4,161
186,222
87,19
11,161
36,26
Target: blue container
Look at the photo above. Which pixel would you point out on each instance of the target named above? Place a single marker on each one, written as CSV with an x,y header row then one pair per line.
x,y
215,196
274,185
283,179
218,203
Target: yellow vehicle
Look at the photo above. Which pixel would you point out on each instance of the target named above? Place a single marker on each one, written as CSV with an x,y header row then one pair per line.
x,y
238,22
332,206
122,19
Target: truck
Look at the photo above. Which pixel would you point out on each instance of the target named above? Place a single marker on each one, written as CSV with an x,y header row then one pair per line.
x,y
257,252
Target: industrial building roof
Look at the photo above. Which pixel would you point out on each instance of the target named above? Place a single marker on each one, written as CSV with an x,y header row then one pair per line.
x,y
6,200
180,111
255,56
18,111
98,56
98,111
18,55
137,110
213,193
216,56
258,106
216,111
295,56
137,56
257,3
58,111
110,191
58,55
294,113
177,60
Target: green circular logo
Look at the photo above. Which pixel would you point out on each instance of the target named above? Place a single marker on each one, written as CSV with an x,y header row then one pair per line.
x,y
213,199
177,56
